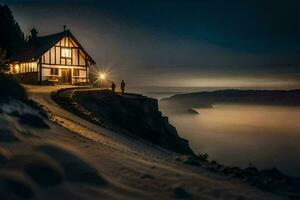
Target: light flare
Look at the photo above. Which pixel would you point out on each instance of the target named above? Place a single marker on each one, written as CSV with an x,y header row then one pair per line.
x,y
103,76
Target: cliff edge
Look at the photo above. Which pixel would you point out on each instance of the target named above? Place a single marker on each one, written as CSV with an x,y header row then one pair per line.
x,y
132,114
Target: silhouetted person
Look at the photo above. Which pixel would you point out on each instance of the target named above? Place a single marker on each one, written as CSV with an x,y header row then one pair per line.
x,y
123,87
113,87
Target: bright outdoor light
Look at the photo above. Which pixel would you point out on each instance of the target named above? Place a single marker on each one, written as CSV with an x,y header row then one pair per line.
x,y
102,76
17,68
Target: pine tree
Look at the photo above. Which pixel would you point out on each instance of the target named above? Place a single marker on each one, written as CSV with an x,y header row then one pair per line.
x,y
11,35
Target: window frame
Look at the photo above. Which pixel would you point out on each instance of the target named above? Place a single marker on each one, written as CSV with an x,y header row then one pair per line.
x,y
64,56
52,70
77,70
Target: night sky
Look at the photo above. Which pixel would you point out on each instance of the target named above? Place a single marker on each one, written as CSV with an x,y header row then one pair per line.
x,y
208,43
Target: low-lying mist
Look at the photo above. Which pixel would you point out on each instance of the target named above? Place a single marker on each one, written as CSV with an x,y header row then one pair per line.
x,y
240,134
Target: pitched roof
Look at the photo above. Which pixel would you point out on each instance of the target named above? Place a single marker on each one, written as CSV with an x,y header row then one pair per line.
x,y
42,44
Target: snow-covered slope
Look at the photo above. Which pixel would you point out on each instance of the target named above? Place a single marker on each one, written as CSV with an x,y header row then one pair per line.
x,y
86,161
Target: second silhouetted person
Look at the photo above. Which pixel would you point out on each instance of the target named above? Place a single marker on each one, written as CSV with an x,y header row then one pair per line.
x,y
123,87
113,87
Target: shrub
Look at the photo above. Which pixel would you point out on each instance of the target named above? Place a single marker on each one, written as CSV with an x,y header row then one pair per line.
x,y
11,89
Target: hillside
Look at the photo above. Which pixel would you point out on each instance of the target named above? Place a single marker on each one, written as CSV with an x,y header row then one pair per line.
x,y
48,152
208,99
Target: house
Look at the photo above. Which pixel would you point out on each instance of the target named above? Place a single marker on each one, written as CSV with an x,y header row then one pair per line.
x,y
57,58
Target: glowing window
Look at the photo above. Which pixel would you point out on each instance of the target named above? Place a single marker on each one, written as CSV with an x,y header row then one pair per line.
x,y
66,53
17,68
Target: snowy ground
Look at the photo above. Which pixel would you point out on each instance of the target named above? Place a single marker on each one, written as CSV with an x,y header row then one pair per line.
x,y
130,169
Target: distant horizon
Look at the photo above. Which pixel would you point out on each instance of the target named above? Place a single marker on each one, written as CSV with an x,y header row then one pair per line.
x,y
279,86
174,87
164,90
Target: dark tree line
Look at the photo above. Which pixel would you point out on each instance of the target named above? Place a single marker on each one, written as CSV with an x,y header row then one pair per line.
x,y
11,36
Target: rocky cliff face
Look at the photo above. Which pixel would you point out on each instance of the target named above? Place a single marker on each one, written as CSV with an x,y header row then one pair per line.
x,y
135,115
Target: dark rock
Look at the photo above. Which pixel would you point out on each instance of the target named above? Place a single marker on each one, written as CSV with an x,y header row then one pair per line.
x,y
236,172
219,167
273,173
255,181
33,121
211,168
192,111
233,171
203,156
213,162
251,170
189,159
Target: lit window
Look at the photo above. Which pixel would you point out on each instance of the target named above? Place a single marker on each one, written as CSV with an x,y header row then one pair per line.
x,y
66,53
17,68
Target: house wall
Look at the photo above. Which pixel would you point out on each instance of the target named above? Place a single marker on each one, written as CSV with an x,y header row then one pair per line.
x,y
66,54
23,67
46,73
82,73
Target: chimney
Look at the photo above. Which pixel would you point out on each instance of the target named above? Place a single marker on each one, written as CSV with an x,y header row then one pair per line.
x,y
65,28
33,34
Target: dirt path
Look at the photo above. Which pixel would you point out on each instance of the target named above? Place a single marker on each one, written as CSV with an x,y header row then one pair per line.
x,y
140,170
